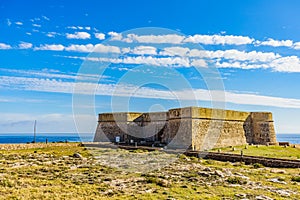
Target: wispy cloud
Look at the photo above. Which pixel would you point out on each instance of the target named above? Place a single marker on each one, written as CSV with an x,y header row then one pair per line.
x,y
45,18
36,25
8,22
19,23
53,74
47,85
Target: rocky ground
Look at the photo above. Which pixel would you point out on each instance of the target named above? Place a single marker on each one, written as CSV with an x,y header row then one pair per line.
x,y
68,171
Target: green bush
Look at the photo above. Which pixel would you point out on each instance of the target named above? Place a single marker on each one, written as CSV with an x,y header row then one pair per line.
x,y
296,178
257,165
236,180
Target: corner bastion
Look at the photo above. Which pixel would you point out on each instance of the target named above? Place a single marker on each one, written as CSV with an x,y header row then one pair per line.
x,y
191,127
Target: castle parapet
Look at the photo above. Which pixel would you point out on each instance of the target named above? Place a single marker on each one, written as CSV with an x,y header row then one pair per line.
x,y
194,126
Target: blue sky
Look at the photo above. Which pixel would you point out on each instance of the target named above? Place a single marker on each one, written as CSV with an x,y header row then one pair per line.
x,y
45,50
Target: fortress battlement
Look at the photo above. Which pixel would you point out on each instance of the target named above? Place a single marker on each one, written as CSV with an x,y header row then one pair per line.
x,y
196,127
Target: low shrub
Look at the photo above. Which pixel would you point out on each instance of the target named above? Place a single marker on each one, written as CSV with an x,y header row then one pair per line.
x,y
296,178
236,180
257,165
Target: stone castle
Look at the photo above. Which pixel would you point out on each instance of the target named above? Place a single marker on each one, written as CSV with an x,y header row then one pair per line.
x,y
191,127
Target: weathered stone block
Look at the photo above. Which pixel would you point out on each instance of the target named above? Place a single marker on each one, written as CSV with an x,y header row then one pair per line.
x,y
190,127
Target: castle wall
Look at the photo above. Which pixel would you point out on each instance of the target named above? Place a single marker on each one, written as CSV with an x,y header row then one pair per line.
x,y
218,128
212,133
194,127
263,128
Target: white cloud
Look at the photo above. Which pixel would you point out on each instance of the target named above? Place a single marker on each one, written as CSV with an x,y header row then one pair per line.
x,y
184,57
276,43
50,47
36,25
19,23
51,34
72,27
148,60
199,63
78,35
5,46
100,48
45,18
100,36
286,64
79,27
80,48
178,39
219,39
297,45
115,36
155,39
144,50
241,65
233,54
25,45
175,51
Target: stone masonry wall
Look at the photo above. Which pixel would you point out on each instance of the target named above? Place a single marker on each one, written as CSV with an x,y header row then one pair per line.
x,y
194,127
216,133
263,128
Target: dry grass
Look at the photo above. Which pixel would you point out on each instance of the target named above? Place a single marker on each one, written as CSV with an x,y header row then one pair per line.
x,y
51,172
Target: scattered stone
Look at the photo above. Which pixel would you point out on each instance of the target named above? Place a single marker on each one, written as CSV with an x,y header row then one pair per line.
x,y
73,167
207,169
279,171
276,180
228,172
149,191
283,193
241,195
77,155
164,183
219,173
47,163
263,197
204,174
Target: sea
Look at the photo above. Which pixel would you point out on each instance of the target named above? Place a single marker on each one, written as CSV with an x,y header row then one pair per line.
x,y
14,138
